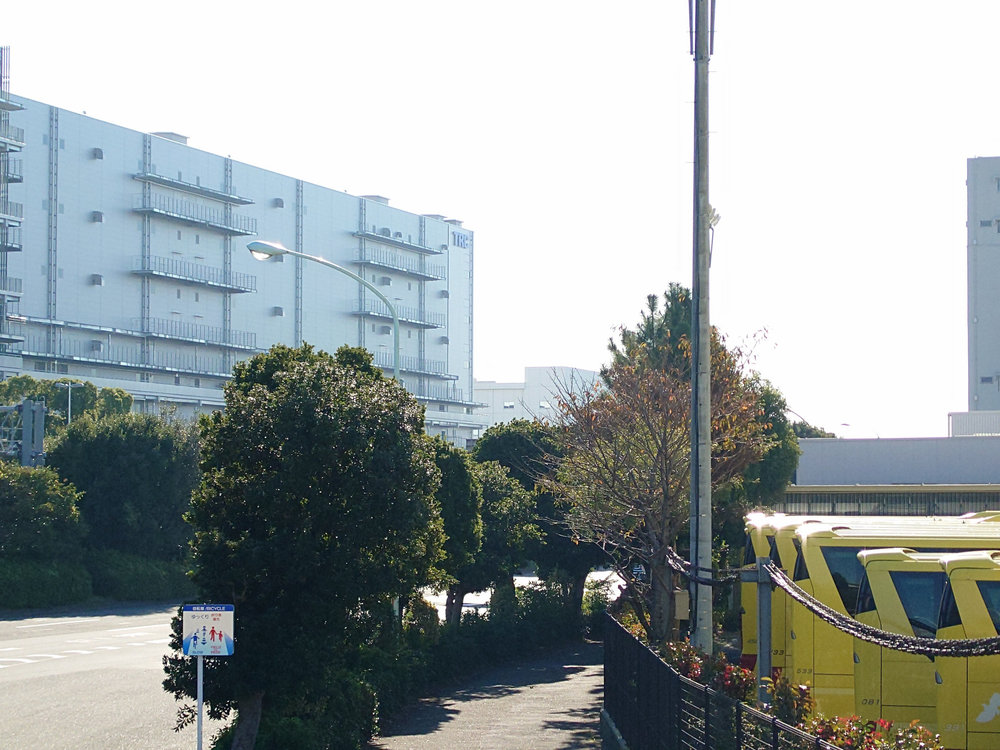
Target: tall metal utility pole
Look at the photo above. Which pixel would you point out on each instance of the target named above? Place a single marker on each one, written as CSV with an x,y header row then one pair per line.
x,y
701,353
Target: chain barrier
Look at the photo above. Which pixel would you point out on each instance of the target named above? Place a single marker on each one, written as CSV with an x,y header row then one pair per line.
x,y
716,577
895,641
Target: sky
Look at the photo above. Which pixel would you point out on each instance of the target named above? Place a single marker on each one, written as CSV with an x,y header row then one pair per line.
x,y
561,133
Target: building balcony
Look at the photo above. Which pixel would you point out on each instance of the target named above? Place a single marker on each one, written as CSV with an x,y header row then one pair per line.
x,y
11,137
376,308
443,393
10,286
194,273
197,333
98,351
386,237
380,258
7,104
11,329
10,211
416,365
10,239
12,170
193,188
189,212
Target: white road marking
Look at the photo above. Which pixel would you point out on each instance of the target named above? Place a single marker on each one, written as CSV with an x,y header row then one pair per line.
x,y
77,651
48,656
50,624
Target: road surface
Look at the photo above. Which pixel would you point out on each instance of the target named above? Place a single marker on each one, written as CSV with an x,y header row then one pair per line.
x,y
89,680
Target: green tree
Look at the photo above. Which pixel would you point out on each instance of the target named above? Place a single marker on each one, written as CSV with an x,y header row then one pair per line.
x,y
626,468
86,398
136,472
39,518
806,430
460,500
508,530
530,450
113,401
316,506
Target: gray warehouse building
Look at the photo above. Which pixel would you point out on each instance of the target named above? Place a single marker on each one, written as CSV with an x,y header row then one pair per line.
x,y
123,261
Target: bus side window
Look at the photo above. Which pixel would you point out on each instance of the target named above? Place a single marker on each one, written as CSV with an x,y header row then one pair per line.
x,y
847,572
749,558
949,615
866,600
920,594
801,572
990,591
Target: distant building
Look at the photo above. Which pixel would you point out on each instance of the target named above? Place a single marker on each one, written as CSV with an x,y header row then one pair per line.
x,y
123,261
535,398
983,227
949,460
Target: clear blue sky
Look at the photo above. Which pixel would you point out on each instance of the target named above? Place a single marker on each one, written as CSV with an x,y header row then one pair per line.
x,y
561,133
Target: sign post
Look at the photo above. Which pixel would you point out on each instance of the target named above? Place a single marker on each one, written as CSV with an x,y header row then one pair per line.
x,y
208,631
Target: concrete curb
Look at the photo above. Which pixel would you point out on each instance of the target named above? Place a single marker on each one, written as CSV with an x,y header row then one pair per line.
x,y
611,738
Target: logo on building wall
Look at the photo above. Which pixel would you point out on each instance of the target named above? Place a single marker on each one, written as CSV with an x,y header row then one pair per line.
x,y
458,239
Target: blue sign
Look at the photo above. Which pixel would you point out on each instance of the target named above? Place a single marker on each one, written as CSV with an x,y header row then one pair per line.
x,y
208,629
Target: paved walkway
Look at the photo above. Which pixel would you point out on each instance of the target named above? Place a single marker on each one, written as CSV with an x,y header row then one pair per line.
x,y
551,702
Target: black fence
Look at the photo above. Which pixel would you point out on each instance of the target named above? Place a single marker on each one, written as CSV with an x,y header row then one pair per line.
x,y
655,708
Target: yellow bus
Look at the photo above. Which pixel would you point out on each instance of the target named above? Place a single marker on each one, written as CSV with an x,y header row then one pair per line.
x,y
900,592
828,568
968,688
773,535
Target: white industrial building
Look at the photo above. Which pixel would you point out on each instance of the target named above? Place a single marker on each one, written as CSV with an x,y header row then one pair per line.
x,y
123,261
535,398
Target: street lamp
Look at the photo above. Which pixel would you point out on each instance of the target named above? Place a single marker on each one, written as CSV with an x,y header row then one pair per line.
x,y
263,250
69,397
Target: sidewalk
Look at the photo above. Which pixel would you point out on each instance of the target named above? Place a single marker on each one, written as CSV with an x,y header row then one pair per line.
x,y
551,702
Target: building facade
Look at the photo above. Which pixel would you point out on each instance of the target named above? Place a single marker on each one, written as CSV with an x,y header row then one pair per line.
x,y
983,227
535,398
123,262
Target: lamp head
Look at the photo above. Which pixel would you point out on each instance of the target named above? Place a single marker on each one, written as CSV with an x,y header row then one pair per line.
x,y
263,250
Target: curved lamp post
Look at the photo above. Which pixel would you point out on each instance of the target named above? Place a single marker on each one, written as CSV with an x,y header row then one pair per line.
x,y
69,386
263,250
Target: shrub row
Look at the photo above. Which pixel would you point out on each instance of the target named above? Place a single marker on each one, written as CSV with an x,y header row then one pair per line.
x,y
30,584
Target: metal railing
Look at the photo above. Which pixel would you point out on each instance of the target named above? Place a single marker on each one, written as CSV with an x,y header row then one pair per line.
x,y
11,134
197,333
885,501
386,259
406,314
195,213
655,708
198,273
128,355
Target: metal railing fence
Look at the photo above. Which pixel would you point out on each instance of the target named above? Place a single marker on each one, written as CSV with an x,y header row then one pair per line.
x,y
655,708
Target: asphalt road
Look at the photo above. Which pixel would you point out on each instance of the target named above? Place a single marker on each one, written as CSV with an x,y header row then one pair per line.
x,y
89,680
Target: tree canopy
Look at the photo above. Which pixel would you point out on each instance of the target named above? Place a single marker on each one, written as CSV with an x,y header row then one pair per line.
x,y
530,450
316,506
136,473
86,399
626,468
